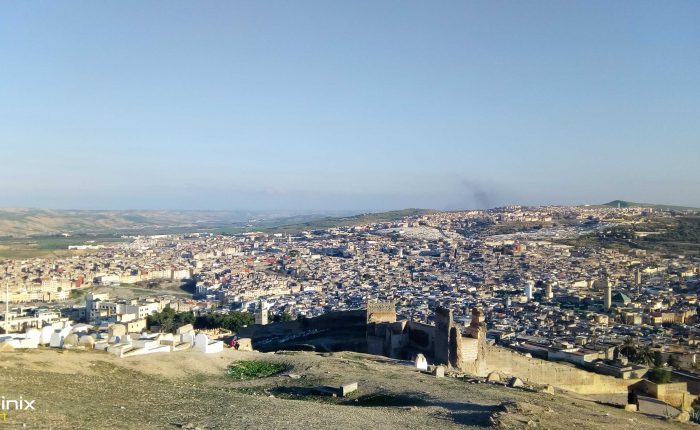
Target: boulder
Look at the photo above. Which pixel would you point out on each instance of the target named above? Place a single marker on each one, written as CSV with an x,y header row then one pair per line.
x,y
493,377
547,389
516,383
683,417
245,344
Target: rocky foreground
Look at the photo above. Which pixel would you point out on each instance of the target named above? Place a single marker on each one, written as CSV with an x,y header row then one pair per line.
x,y
93,390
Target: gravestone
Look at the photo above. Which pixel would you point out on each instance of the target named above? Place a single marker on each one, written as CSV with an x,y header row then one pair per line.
x,y
46,333
201,341
184,329
439,371
117,330
87,341
421,362
70,341
347,389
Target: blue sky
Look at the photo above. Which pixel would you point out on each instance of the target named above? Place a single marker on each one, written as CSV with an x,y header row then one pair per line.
x,y
348,105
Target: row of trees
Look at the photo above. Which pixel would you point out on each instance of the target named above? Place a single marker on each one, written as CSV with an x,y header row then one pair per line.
x,y
231,321
169,320
283,317
646,356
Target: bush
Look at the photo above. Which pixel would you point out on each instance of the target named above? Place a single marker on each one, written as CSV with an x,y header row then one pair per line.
x,y
283,317
168,320
253,369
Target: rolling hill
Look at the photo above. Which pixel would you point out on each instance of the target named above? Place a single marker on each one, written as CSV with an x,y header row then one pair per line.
x,y
626,204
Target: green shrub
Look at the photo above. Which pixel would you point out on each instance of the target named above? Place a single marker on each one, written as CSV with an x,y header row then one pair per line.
x,y
253,369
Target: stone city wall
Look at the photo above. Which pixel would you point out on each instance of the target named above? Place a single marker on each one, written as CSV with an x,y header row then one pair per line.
x,y
381,312
542,372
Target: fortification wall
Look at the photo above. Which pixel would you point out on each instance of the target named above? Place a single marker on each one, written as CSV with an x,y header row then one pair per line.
x,y
565,376
675,394
421,337
378,312
443,324
341,319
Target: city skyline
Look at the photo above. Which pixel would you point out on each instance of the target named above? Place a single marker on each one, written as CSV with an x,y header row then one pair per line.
x,y
348,106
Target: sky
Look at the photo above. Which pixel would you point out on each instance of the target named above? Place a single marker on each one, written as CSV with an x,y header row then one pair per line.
x,y
348,105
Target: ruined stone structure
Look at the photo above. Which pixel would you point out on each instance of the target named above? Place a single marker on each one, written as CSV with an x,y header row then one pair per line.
x,y
446,342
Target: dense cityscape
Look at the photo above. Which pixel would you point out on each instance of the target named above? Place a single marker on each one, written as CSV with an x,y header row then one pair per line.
x,y
538,294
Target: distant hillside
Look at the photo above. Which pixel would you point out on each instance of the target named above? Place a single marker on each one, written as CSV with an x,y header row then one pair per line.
x,y
20,223
44,222
626,204
366,218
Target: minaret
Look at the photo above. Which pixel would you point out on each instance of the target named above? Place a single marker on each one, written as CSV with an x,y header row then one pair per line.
x,y
529,286
261,316
607,288
549,294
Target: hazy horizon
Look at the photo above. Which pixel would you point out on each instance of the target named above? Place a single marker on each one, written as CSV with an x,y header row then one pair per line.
x,y
348,106
320,211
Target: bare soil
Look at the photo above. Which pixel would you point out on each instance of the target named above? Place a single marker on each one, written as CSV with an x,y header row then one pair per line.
x,y
95,390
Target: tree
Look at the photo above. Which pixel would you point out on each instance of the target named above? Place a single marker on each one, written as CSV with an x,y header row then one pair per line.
x,y
232,321
659,375
629,347
283,317
644,356
168,320
673,361
658,359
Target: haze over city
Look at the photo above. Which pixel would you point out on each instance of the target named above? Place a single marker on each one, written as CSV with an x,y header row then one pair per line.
x,y
347,106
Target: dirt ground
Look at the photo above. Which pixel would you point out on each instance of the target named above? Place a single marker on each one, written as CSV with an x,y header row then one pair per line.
x,y
95,390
